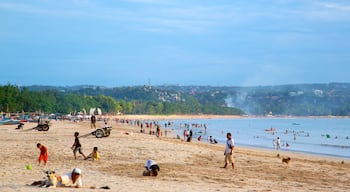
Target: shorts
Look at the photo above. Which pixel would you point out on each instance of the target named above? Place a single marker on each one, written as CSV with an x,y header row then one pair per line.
x,y
229,158
43,158
78,149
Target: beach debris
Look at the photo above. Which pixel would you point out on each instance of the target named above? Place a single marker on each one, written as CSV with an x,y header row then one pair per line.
x,y
128,133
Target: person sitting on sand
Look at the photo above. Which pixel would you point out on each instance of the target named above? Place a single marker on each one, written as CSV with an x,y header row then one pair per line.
x,y
105,124
212,140
93,155
152,168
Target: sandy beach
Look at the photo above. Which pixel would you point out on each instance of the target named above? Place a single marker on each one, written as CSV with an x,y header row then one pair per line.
x,y
184,166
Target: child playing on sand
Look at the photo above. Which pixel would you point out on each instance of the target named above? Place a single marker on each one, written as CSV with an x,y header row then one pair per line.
x,y
44,156
94,155
152,168
77,146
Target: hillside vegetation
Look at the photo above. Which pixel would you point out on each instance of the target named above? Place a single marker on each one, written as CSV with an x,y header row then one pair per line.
x,y
299,99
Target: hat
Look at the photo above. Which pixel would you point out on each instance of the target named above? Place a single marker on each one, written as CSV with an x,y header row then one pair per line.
x,y
77,171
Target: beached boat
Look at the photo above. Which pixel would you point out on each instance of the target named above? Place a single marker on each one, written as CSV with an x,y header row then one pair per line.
x,y
9,122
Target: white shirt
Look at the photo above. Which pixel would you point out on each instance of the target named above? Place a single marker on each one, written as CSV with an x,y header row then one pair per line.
x,y
149,163
68,181
229,144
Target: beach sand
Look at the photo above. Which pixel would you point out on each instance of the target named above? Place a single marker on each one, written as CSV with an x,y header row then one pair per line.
x,y
184,166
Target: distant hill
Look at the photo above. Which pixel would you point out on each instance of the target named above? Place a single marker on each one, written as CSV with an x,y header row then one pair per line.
x,y
295,99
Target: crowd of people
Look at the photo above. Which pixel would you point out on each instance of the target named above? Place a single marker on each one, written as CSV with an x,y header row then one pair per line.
x,y
73,178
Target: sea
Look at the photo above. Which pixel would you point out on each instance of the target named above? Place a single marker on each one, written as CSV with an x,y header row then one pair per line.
x,y
322,136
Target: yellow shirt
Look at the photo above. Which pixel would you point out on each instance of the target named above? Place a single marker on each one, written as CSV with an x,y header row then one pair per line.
x,y
95,155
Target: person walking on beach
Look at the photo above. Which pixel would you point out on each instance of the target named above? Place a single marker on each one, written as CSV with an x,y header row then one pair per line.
x,y
44,155
190,135
77,146
93,121
229,151
278,143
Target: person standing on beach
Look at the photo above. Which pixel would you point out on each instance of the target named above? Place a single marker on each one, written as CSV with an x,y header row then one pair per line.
x,y
158,131
278,143
77,146
44,155
229,151
93,121
190,135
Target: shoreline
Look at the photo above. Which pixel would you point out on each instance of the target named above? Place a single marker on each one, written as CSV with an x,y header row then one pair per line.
x,y
201,117
210,116
299,153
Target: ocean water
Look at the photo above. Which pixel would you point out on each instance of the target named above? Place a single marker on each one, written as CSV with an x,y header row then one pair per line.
x,y
324,136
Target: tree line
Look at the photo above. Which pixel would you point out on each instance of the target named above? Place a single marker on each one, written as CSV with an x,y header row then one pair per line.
x,y
14,99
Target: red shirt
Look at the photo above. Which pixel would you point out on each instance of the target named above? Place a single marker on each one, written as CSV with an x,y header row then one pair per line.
x,y
43,150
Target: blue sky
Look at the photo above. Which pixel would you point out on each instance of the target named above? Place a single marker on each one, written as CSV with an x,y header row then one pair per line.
x,y
185,42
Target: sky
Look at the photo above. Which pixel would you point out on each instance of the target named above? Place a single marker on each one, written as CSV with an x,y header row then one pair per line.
x,y
178,42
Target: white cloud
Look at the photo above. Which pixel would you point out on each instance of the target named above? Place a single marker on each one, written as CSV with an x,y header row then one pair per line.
x,y
170,16
329,12
337,6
